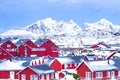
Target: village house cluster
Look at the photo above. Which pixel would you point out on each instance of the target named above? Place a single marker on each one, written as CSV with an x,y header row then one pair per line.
x,y
41,60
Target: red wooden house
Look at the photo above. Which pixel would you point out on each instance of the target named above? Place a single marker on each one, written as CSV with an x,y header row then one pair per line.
x,y
65,62
99,70
25,46
9,69
37,72
43,47
4,54
47,48
10,47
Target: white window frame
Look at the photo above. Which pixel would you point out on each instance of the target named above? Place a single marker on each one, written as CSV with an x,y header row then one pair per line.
x,y
8,45
119,73
33,77
47,76
99,74
52,75
12,50
66,66
112,74
42,77
108,74
23,77
88,75
38,49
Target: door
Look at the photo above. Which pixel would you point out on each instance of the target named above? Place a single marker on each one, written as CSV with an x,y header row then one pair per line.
x,y
112,74
11,75
47,76
88,75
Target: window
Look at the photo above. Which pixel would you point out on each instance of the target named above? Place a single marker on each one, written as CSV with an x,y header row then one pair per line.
x,y
11,50
108,74
38,49
112,74
66,66
88,75
54,49
23,77
47,76
42,77
33,77
99,74
8,45
119,73
0,51
52,75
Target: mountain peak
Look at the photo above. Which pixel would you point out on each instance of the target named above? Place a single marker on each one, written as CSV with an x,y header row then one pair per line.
x,y
103,22
47,20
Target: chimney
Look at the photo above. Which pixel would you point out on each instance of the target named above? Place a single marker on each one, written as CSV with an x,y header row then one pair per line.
x,y
108,61
0,40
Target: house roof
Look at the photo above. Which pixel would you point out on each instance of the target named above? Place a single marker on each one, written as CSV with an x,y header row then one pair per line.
x,y
67,59
21,41
102,65
42,69
15,64
40,41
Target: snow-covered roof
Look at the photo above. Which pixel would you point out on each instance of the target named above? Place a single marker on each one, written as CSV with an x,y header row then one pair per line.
x,y
42,69
13,65
102,65
21,41
40,41
67,59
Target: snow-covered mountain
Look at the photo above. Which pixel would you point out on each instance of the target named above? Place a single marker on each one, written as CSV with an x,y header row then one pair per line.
x,y
49,26
69,33
103,30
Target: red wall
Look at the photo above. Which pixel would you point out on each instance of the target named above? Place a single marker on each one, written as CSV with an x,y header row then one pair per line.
x,y
27,72
13,46
6,74
51,49
82,69
61,75
105,75
4,54
56,65
72,65
21,50
30,43
49,45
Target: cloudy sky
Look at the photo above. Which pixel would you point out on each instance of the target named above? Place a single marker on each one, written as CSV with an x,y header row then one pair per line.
x,y
20,13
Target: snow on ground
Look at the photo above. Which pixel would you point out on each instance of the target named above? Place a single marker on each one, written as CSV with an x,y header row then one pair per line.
x,y
68,77
12,65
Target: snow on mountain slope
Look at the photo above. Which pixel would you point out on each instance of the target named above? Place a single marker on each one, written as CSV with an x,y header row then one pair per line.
x,y
18,33
69,33
49,26
103,30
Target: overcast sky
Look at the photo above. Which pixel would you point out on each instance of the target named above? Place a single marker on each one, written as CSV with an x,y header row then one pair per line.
x,y
20,13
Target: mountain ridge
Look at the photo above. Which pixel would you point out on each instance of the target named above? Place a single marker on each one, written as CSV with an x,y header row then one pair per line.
x,y
68,33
